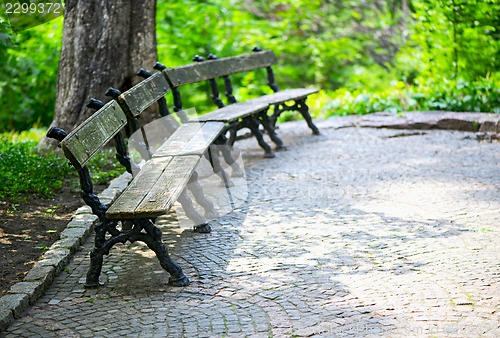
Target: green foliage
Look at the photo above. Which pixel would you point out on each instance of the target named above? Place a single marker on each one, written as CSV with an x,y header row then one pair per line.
x,y
24,171
445,52
6,37
104,166
457,38
482,95
366,56
29,63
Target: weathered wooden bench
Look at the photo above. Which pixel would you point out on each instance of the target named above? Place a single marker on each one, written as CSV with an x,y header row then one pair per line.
x,y
204,138
247,114
151,193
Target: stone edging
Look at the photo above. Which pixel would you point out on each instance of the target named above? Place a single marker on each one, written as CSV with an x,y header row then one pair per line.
x,y
53,262
486,124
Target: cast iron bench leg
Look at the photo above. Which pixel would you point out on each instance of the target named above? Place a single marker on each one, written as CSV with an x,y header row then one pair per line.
x,y
225,147
214,159
200,197
266,122
96,257
253,124
152,238
304,110
200,222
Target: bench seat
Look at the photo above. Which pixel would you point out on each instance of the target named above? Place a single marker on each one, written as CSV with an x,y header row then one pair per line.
x,y
161,180
283,96
155,188
190,139
233,112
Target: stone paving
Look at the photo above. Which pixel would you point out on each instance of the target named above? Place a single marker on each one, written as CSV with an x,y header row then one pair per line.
x,y
359,232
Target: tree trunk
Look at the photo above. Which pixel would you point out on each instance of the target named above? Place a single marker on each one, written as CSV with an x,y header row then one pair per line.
x,y
104,44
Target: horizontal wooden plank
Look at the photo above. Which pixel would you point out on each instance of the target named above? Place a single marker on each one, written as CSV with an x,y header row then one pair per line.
x,y
133,195
169,186
233,112
155,188
211,69
93,134
190,138
285,95
135,100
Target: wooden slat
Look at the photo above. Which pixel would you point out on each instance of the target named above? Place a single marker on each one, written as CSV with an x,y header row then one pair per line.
x,y
168,187
144,94
178,139
190,138
93,134
216,68
133,195
233,112
157,186
285,95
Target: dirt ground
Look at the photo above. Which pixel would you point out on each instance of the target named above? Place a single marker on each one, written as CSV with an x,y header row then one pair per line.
x,y
28,229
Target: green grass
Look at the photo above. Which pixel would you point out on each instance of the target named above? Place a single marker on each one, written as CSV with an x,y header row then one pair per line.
x,y
23,171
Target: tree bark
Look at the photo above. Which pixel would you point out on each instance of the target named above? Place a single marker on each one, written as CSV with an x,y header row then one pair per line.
x,y
104,44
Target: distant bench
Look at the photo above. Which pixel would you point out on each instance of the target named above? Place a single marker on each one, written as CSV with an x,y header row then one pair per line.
x,y
152,192
246,114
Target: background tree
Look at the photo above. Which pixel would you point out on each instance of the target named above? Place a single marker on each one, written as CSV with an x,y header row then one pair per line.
x,y
365,55
104,44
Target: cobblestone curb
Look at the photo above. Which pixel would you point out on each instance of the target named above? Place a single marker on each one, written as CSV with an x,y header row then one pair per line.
x,y
54,261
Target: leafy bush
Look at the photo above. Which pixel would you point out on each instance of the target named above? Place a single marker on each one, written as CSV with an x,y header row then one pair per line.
x,y
104,167
29,63
24,171
482,95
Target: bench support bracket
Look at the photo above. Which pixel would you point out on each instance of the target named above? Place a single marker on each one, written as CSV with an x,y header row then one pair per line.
x,y
300,106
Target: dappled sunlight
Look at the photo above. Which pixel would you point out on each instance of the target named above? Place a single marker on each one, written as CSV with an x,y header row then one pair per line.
x,y
429,199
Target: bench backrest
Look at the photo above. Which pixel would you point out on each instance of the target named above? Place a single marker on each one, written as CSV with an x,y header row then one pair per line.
x,y
93,134
212,69
135,100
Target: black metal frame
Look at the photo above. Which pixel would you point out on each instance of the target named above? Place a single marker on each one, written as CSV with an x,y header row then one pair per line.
x,y
300,104
106,232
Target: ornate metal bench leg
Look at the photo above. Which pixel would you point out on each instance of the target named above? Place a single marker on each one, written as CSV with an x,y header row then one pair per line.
x,y
216,166
277,109
232,136
96,257
266,122
200,197
96,260
253,124
304,110
154,242
225,148
200,223
214,159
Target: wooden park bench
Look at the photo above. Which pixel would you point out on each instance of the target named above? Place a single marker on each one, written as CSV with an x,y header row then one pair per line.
x,y
247,114
152,192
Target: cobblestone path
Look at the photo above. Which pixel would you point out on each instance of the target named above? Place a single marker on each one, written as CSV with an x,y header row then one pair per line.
x,y
355,233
